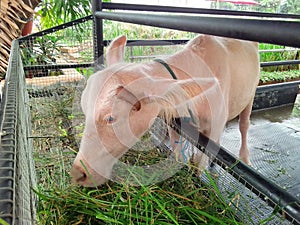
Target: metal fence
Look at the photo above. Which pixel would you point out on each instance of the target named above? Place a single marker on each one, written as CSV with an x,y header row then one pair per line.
x,y
40,74
44,81
17,171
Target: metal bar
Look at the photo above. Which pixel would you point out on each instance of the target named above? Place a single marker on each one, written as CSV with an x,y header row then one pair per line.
x,y
56,28
86,65
172,9
58,66
150,42
279,63
279,50
286,32
131,43
264,188
7,141
98,35
163,42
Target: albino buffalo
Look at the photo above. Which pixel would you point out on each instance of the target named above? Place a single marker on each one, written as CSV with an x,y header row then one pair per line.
x,y
214,80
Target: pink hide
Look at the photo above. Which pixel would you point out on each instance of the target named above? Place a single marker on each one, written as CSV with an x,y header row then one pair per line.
x,y
217,79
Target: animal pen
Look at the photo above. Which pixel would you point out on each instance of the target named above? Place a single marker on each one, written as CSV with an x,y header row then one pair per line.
x,y
44,83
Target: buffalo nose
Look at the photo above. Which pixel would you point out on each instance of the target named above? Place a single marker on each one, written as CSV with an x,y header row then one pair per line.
x,y
78,175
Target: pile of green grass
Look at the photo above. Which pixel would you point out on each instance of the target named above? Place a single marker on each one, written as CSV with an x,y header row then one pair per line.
x,y
177,200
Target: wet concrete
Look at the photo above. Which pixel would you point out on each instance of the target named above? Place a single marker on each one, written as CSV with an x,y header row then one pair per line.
x,y
274,144
287,115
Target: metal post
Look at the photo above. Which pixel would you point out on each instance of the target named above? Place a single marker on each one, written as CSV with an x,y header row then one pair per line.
x,y
260,30
98,35
187,10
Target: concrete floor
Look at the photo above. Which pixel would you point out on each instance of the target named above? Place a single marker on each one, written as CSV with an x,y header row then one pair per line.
x,y
274,143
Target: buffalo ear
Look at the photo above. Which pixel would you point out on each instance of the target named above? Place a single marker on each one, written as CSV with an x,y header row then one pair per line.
x,y
181,91
115,51
125,95
177,99
199,86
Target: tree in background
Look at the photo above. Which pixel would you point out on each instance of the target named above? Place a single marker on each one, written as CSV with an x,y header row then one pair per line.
x,y
14,14
55,12
269,5
290,6
280,6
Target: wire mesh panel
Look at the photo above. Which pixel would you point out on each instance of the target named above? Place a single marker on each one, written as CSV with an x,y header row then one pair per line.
x,y
41,84
57,64
17,172
57,123
64,44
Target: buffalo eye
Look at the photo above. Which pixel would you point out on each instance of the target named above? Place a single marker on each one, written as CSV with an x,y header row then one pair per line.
x,y
109,119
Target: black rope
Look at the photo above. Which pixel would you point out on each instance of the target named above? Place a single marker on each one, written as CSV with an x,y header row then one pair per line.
x,y
167,67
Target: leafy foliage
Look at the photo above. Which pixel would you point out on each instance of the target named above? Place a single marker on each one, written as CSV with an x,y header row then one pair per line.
x,y
55,12
283,53
43,51
278,6
279,76
290,6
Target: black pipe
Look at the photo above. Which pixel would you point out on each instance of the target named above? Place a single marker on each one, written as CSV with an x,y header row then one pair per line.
x,y
184,41
56,28
172,9
286,33
58,66
150,42
280,63
85,65
98,35
267,190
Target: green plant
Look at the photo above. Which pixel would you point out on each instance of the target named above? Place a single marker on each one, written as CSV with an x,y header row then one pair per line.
x,y
2,222
269,5
42,51
281,55
55,12
114,29
290,6
279,76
